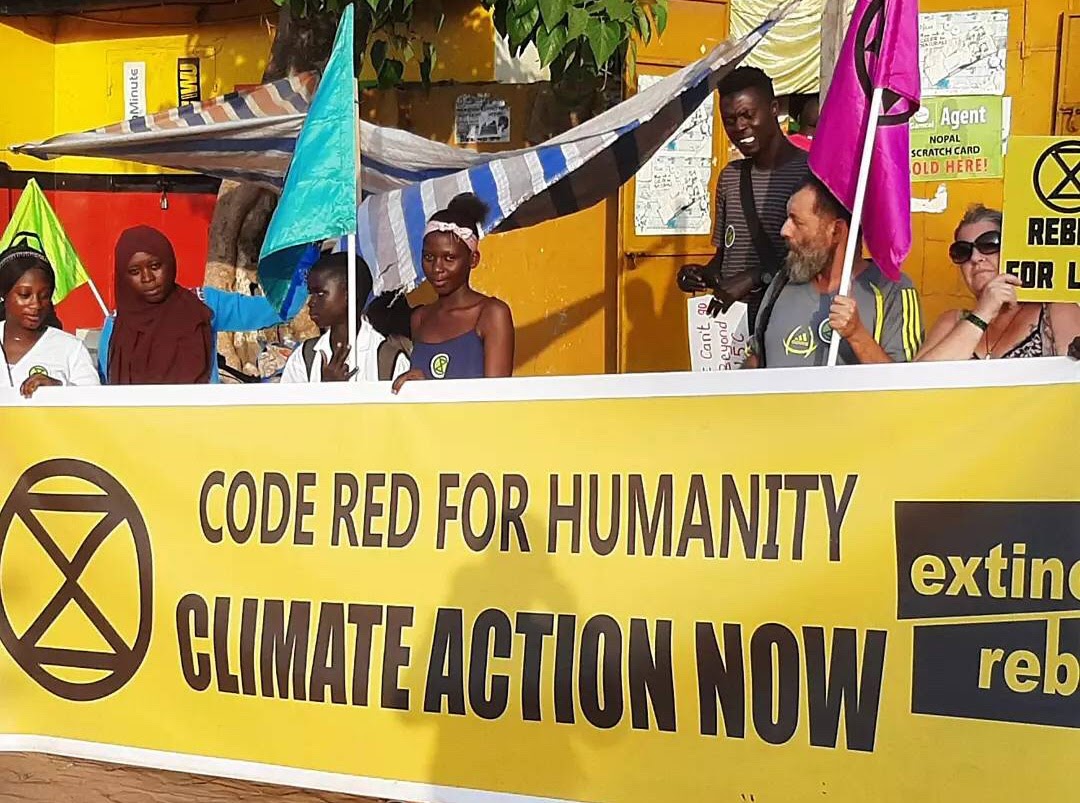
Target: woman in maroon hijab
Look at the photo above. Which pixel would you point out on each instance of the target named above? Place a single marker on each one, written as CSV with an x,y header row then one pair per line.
x,y
162,333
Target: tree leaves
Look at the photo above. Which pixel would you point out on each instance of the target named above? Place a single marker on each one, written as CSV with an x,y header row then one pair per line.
x,y
378,54
520,22
597,36
550,44
660,13
552,12
390,73
604,39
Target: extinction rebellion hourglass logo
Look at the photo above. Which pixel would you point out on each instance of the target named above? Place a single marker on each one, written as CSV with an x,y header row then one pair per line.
x,y
82,637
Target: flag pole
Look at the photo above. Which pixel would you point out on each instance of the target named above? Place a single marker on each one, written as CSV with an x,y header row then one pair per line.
x,y
97,296
350,238
857,213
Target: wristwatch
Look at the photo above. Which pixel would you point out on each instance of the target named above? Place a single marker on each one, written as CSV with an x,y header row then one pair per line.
x,y
974,319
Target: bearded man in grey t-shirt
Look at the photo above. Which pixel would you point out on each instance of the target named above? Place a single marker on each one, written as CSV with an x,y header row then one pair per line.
x,y
880,321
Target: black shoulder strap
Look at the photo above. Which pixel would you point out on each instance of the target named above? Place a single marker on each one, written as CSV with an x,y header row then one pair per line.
x,y
307,349
769,259
765,313
389,350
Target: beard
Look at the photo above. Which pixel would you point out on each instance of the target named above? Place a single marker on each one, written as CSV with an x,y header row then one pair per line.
x,y
806,263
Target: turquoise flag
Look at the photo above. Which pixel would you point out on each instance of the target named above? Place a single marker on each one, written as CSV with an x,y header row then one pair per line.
x,y
35,222
319,199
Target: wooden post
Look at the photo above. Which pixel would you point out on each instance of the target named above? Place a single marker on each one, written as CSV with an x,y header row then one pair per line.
x,y
835,18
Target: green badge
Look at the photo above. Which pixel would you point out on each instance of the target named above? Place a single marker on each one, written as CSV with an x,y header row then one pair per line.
x,y
439,364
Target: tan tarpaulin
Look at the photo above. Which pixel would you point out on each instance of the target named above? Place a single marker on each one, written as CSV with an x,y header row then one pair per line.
x,y
791,53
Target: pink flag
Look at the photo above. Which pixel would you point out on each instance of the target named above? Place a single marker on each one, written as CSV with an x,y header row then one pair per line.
x,y
881,50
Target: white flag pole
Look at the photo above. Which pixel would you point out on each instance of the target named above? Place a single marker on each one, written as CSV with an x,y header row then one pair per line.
x,y
857,213
97,296
350,238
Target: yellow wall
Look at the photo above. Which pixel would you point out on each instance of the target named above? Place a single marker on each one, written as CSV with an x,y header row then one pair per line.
x,y
86,58
27,95
1031,70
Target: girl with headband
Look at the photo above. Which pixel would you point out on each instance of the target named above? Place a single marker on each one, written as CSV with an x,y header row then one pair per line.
x,y
463,334
33,353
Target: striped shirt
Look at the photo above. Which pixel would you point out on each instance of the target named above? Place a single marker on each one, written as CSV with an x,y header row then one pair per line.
x,y
731,232
798,331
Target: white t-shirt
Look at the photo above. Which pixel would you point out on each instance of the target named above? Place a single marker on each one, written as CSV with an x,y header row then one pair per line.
x,y
368,341
59,355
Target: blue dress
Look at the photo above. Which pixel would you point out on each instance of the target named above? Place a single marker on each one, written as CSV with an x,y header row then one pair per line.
x,y
230,312
460,357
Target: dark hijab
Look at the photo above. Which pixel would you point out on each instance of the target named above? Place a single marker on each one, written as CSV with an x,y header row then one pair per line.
x,y
168,343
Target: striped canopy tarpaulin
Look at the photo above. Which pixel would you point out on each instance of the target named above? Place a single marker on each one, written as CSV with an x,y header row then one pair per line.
x,y
406,178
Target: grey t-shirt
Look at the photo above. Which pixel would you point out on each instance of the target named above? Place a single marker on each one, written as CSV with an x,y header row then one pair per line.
x,y
798,331
731,232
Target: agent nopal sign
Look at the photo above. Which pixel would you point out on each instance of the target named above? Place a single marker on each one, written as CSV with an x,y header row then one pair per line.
x,y
1041,237
956,138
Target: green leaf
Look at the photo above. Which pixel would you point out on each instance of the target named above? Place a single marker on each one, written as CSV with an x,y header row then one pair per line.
x,y
378,54
374,4
552,12
520,27
631,60
644,24
575,25
621,10
550,44
604,38
390,74
407,52
427,64
660,12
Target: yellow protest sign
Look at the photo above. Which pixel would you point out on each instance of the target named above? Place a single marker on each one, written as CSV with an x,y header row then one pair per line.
x,y
603,603
1041,236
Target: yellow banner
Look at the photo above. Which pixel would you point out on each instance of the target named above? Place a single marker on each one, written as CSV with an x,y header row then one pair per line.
x,y
1041,236
663,592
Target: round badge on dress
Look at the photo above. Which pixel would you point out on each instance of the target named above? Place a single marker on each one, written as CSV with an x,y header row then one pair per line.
x,y
439,365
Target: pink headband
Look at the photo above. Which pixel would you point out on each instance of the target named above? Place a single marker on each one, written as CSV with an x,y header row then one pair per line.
x,y
467,236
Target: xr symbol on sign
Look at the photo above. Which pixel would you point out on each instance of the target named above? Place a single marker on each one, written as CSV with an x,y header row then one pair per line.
x,y
105,671
1057,177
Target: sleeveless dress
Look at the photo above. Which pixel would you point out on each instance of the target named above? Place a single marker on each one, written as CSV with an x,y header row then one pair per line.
x,y
460,357
1031,346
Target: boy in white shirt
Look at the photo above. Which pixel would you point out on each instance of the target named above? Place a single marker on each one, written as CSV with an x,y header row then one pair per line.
x,y
326,358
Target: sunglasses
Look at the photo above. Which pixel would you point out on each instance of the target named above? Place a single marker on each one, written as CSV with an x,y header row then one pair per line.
x,y
962,250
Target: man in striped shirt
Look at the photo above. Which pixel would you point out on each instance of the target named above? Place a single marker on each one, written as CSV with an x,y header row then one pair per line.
x,y
751,195
880,321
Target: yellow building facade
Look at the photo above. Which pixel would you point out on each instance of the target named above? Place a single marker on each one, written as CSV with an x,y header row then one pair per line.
x,y
588,295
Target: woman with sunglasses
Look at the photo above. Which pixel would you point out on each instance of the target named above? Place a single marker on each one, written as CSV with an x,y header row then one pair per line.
x,y
999,326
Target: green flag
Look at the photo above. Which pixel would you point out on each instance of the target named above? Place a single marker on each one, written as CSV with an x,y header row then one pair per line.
x,y
34,216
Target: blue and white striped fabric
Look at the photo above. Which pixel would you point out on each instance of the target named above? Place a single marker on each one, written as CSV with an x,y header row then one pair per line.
x,y
406,178
524,187
245,136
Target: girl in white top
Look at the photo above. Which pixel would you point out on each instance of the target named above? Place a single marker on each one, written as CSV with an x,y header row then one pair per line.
x,y
325,359
34,353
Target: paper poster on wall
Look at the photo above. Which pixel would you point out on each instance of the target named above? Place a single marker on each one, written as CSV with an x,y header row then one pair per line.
x,y
963,52
134,89
957,138
481,118
672,189
717,344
